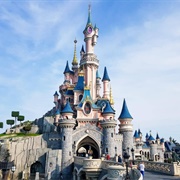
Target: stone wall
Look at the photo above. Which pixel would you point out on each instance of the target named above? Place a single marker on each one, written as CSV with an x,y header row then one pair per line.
x,y
25,151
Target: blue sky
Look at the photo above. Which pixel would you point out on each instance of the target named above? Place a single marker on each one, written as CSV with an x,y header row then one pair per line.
x,y
139,42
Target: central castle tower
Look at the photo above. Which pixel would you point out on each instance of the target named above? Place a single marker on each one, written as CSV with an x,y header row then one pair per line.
x,y
83,120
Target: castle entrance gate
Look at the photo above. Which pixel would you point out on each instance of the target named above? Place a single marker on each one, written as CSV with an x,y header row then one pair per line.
x,y
88,147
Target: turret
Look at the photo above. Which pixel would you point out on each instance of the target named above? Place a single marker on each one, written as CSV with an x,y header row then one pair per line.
x,y
57,117
89,62
147,136
108,125
108,111
67,112
94,41
82,52
90,34
67,124
126,127
106,81
56,98
67,73
157,139
140,133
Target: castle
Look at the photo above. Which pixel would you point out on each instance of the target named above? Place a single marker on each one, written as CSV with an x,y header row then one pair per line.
x,y
83,123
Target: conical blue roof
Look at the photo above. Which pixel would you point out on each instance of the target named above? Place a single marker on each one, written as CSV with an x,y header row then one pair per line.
x,y
69,92
147,136
162,140
89,16
125,112
87,96
57,112
139,131
136,135
80,84
97,75
105,76
56,94
151,138
67,108
67,70
157,136
108,109
82,49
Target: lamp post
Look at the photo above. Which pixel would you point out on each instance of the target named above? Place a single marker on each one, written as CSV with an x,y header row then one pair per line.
x,y
132,151
126,159
13,169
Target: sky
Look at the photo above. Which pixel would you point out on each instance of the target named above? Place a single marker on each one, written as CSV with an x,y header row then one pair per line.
x,y
139,43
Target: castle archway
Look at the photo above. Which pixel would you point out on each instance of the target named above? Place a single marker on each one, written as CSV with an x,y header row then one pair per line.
x,y
37,167
89,146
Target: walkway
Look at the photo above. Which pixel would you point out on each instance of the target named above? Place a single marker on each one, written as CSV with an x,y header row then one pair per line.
x,y
158,176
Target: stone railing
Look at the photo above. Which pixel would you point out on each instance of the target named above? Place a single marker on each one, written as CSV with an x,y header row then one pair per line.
x,y
92,163
78,160
165,168
113,169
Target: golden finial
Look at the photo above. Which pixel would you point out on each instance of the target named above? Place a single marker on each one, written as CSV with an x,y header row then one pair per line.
x,y
111,97
86,88
75,61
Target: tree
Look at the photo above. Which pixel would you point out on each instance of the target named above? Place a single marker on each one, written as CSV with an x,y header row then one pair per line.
x,y
1,124
15,114
27,127
20,118
10,122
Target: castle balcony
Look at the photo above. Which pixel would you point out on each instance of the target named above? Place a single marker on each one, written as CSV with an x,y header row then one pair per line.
x,y
101,169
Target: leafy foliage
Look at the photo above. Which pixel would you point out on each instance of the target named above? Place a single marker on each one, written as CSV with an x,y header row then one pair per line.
x,y
1,124
20,118
10,122
27,127
15,113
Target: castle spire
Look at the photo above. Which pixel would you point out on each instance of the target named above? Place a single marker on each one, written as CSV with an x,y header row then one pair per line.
x,y
105,76
75,61
89,16
125,112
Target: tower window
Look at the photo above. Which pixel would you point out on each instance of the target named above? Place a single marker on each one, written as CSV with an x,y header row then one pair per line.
x,y
64,138
111,134
80,97
69,153
106,150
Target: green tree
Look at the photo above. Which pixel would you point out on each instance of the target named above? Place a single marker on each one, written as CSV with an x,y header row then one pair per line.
x,y
1,124
15,114
27,127
10,122
20,118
